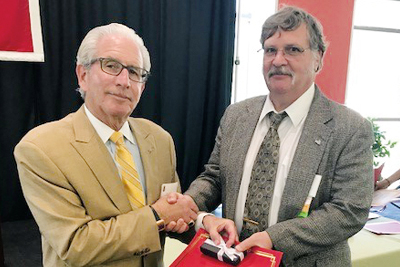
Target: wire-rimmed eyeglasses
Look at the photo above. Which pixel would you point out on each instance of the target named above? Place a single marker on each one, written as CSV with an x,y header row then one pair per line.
x,y
114,67
289,51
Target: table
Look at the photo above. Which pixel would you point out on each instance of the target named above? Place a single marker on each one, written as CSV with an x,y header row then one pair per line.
x,y
368,249
172,249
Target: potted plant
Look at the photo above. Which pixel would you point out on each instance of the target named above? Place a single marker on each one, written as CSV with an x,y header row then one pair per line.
x,y
380,148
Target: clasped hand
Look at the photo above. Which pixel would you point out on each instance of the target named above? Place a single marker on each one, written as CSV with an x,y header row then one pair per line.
x,y
177,211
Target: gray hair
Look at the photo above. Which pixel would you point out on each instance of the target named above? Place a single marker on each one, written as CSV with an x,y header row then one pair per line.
x,y
289,18
88,48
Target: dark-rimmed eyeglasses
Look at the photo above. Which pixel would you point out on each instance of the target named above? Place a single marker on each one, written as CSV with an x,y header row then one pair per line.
x,y
114,67
289,51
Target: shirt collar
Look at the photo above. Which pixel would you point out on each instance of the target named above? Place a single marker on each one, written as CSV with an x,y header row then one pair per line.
x,y
297,111
104,131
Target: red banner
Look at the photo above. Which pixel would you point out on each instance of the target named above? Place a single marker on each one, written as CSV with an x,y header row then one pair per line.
x,y
15,19
20,31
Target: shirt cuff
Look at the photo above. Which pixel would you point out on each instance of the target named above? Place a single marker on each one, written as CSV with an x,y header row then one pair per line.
x,y
199,220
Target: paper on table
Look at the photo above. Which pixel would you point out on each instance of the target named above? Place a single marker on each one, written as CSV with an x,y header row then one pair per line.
x,y
396,201
384,196
392,227
372,215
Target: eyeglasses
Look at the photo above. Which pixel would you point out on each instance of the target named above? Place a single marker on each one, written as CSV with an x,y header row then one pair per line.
x,y
114,67
289,51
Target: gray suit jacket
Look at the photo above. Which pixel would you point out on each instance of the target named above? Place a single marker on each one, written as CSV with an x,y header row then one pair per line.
x,y
335,143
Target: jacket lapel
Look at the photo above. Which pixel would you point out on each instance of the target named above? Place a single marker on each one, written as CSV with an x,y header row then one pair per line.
x,y
147,148
308,155
240,143
93,151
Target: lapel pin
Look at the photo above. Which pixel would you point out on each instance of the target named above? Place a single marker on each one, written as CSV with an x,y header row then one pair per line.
x,y
318,141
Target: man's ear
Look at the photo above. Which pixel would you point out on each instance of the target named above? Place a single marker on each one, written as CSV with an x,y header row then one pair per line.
x,y
81,74
319,61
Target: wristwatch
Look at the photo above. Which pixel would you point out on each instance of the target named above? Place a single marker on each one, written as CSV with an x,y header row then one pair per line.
x,y
160,222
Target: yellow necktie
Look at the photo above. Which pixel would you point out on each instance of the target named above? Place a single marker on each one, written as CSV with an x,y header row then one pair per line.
x,y
129,174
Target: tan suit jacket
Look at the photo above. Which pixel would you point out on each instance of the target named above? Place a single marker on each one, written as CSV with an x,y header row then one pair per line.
x,y
72,187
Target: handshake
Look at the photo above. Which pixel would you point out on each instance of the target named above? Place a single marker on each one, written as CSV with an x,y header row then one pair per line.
x,y
179,213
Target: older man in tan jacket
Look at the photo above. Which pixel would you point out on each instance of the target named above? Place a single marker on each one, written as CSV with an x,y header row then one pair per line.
x,y
71,173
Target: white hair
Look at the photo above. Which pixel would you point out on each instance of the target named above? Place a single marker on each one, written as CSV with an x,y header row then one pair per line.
x,y
88,48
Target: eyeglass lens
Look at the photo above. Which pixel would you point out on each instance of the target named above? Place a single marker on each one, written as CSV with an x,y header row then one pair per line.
x,y
114,67
290,50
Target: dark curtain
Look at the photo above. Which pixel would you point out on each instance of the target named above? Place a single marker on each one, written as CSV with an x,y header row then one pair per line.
x,y
191,48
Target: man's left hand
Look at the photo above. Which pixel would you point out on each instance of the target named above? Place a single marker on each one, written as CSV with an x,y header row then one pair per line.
x,y
215,226
260,239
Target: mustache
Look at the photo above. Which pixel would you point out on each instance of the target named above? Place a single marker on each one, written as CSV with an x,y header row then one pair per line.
x,y
279,71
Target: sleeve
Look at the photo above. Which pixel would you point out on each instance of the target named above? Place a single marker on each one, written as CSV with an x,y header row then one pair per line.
x,y
65,224
346,211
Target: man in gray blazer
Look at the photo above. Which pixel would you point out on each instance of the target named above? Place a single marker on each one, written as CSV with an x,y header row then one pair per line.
x,y
318,139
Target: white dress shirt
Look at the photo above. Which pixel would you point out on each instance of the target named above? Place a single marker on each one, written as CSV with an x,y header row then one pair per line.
x,y
289,133
105,133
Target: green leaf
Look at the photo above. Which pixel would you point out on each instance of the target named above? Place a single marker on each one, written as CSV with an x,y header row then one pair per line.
x,y
381,147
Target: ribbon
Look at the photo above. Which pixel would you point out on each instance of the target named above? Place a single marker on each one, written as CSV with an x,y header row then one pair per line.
x,y
230,252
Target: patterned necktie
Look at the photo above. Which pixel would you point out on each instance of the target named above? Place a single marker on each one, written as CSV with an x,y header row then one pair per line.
x,y
262,180
129,174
